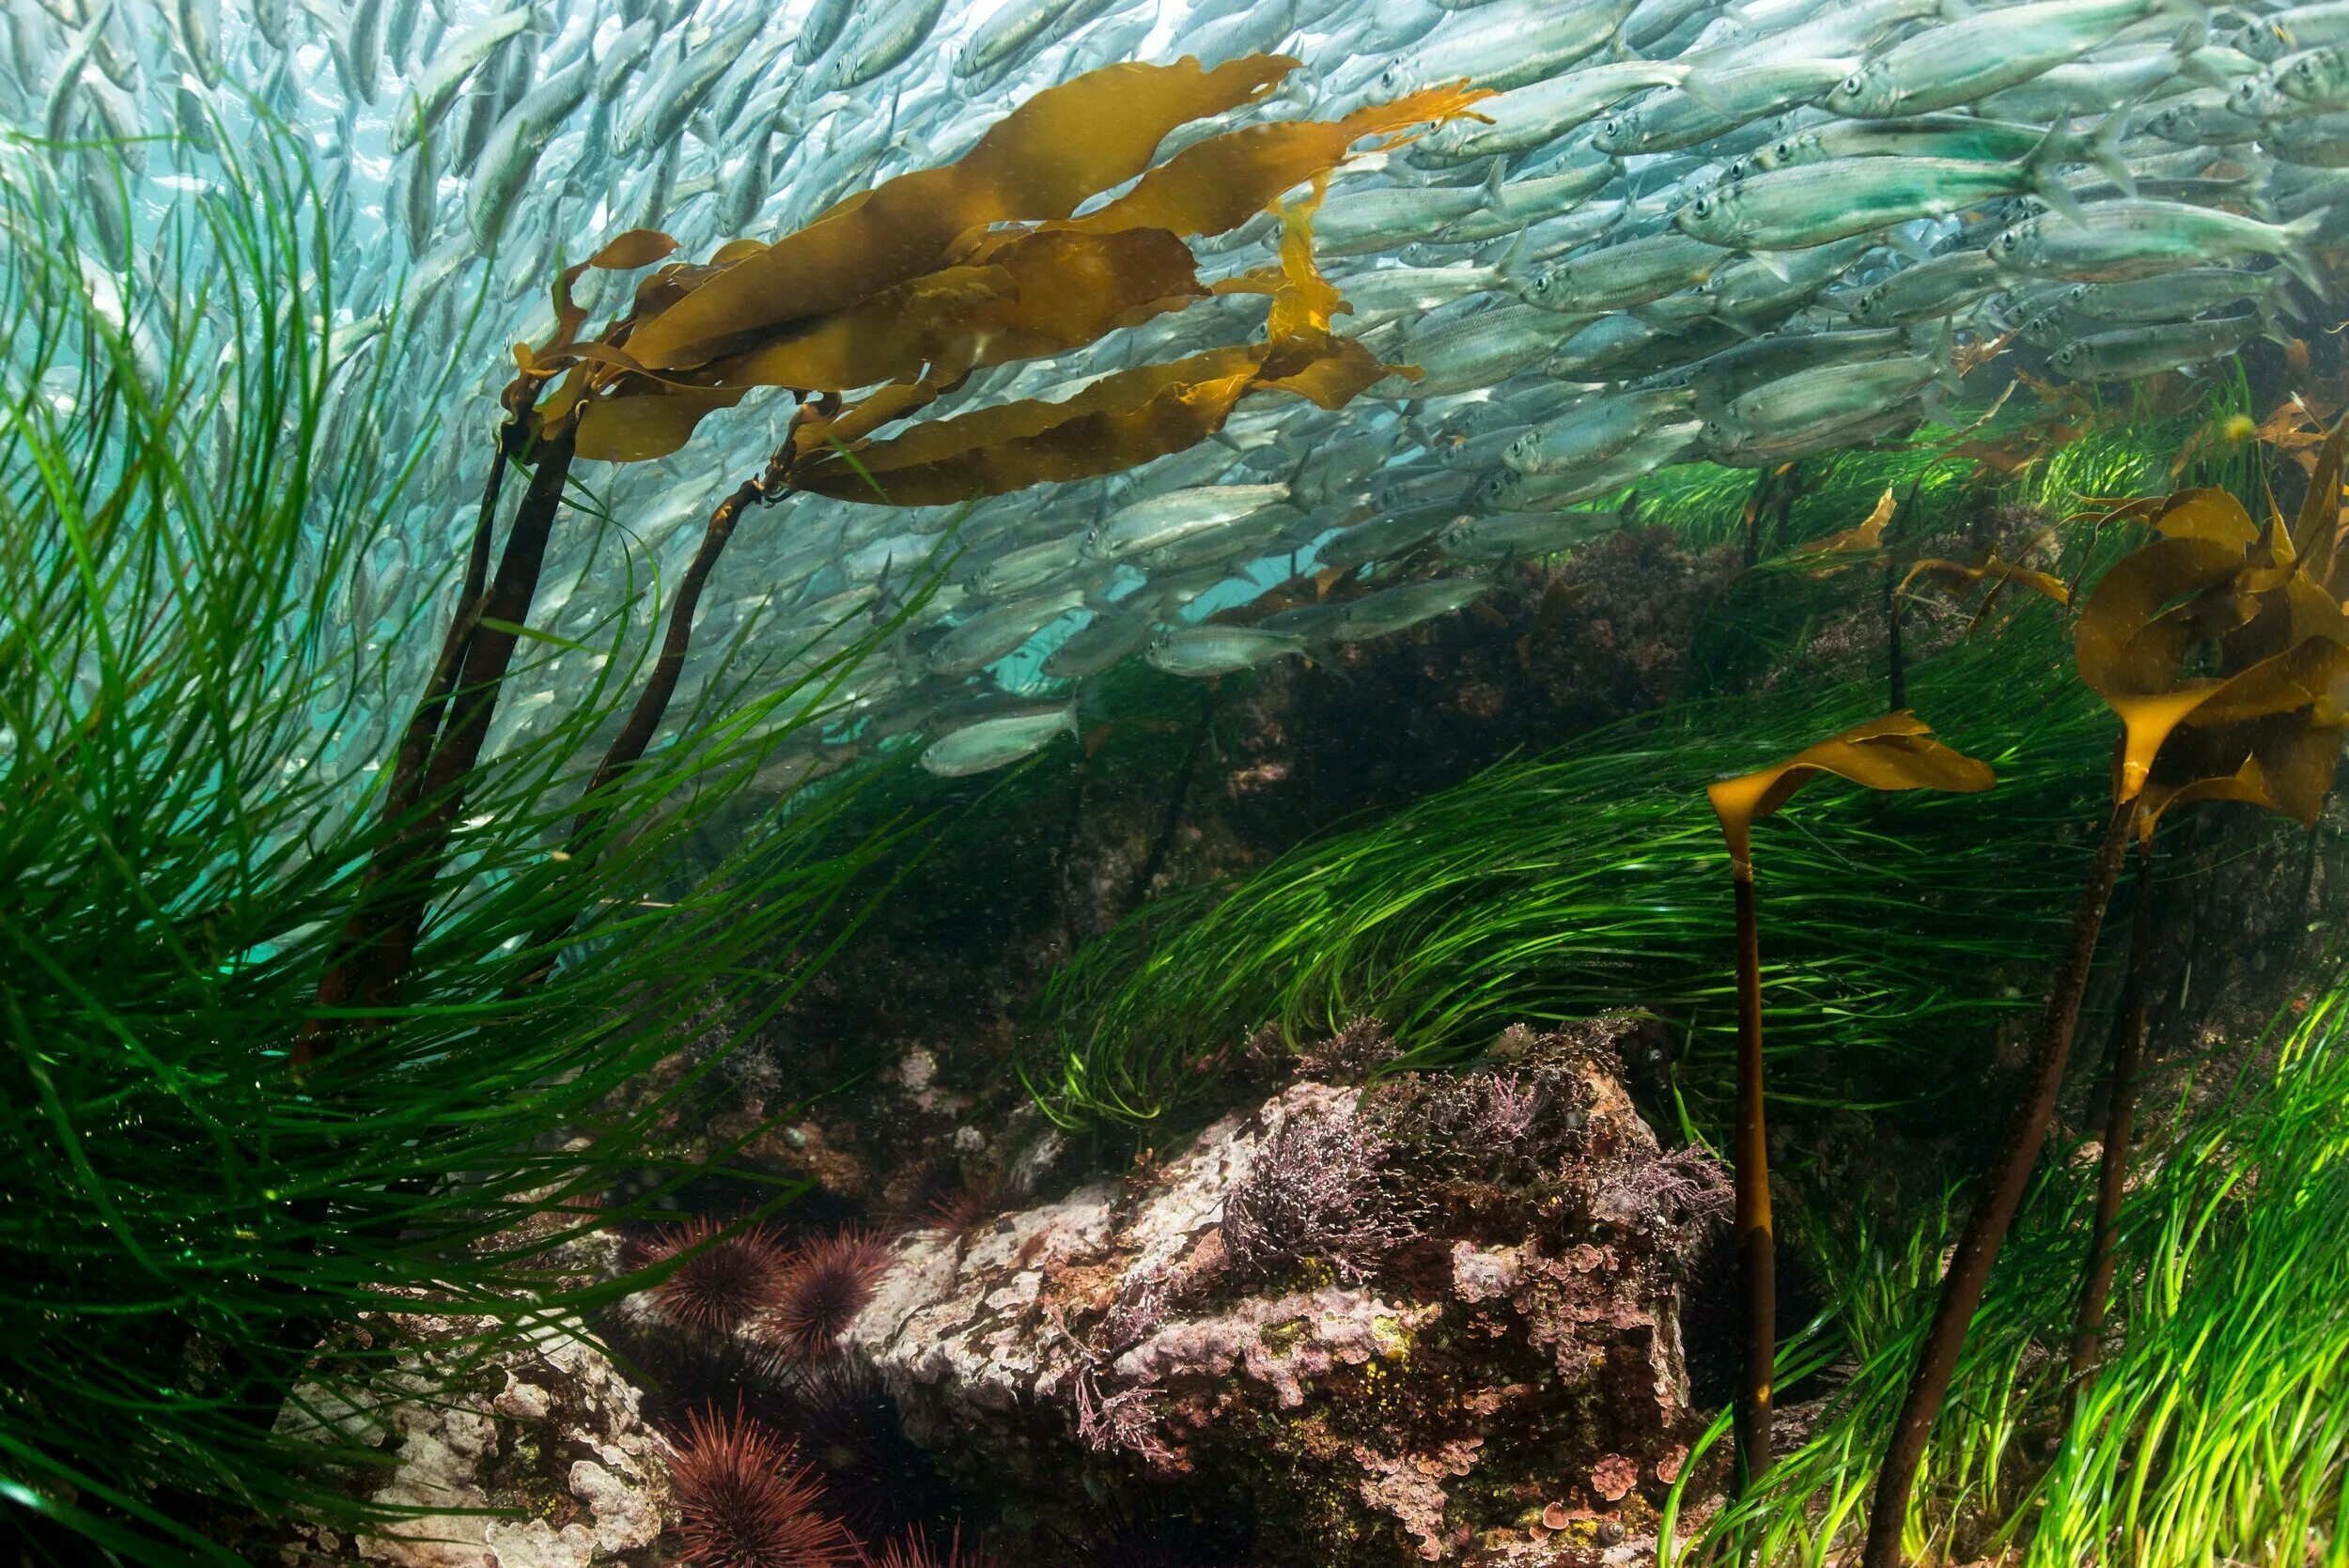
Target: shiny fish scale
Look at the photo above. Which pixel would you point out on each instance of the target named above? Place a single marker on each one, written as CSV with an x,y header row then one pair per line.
x,y
1738,198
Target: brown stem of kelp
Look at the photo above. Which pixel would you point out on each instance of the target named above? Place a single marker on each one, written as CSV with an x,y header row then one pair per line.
x,y
1894,753
2112,1166
2265,729
1968,1271
1757,1264
427,796
652,704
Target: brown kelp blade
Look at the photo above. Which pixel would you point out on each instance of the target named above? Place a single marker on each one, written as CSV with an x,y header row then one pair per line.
x,y
2281,762
1864,538
1894,753
1066,144
1990,568
638,247
1218,184
2316,537
2134,632
1122,419
1030,295
1114,423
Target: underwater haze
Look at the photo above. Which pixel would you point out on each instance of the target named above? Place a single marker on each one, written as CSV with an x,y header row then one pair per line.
x,y
947,782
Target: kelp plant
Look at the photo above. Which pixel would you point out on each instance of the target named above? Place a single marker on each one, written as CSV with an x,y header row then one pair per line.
x,y
2262,611
905,289
1894,753
291,1035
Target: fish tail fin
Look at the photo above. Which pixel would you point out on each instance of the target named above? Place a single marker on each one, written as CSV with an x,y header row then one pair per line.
x,y
2272,324
2042,167
2102,149
1495,178
2297,236
1944,356
2258,174
1504,270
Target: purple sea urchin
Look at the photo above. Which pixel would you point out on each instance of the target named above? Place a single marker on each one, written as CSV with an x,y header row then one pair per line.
x,y
720,1286
915,1549
846,1425
821,1291
748,1503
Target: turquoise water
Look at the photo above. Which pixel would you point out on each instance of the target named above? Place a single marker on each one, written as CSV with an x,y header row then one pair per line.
x,y
790,640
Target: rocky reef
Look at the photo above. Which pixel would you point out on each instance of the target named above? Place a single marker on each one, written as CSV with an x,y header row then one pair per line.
x,y
553,1466
1433,1318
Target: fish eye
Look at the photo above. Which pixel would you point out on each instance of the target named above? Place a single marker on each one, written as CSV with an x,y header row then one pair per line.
x,y
1850,86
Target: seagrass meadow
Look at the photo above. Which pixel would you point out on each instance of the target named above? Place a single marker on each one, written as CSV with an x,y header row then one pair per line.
x,y
1173,783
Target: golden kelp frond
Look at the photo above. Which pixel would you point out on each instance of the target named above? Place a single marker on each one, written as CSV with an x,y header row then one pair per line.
x,y
1220,184
2316,537
1894,753
1041,294
638,247
2134,633
2311,676
1038,162
1117,422
2214,515
1863,537
2283,763
1310,360
1305,302
638,426
1962,577
886,336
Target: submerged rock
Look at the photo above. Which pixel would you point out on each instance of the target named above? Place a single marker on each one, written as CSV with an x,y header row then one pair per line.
x,y
557,1438
1435,1317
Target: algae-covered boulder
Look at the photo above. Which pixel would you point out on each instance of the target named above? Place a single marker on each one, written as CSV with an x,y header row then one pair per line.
x,y
1435,1317
533,1456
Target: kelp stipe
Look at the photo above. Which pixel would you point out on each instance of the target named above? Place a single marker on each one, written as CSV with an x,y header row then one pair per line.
x,y
1894,753
2265,729
2203,1435
193,681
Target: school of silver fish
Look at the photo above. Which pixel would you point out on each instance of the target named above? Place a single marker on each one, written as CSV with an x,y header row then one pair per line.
x,y
1682,231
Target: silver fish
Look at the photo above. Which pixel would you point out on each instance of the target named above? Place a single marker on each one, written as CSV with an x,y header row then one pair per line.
x,y
897,30
1969,60
2117,241
1163,520
1596,432
1617,277
1530,116
1508,490
1529,535
1392,610
429,97
1215,650
2133,353
1821,397
1791,208
997,742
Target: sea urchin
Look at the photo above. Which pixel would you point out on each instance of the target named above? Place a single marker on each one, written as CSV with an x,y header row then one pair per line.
x,y
723,1280
821,1291
748,1503
914,1549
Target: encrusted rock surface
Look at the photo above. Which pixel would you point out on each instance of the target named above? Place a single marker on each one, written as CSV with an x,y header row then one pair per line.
x,y
555,1436
1457,1343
